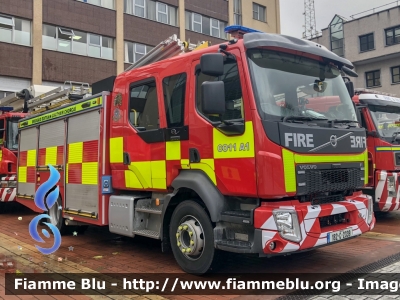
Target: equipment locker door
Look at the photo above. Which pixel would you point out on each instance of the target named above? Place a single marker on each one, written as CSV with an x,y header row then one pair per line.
x,y
27,163
82,163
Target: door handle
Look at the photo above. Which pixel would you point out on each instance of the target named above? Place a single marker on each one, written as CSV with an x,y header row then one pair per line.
x,y
127,159
194,155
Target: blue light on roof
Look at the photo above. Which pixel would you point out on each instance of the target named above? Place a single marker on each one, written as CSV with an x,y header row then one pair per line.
x,y
6,108
232,28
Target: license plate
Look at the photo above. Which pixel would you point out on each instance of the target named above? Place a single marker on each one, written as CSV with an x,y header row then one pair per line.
x,y
339,235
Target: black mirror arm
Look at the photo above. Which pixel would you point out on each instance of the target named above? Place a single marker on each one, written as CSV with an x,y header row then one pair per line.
x,y
229,55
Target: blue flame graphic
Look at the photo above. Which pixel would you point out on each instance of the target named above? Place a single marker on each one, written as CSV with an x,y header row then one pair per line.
x,y
51,199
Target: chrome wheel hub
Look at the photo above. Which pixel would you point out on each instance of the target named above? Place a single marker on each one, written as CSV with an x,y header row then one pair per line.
x,y
190,238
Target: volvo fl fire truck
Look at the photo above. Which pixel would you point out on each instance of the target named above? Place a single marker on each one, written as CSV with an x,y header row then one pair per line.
x,y
380,116
17,106
210,150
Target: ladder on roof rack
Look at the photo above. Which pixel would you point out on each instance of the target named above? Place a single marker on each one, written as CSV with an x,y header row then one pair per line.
x,y
166,49
71,91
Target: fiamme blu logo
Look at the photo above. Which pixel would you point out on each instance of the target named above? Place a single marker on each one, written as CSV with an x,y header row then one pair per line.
x,y
45,203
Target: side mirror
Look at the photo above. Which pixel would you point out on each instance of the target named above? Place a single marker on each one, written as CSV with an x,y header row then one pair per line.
x,y
213,97
350,88
212,64
349,72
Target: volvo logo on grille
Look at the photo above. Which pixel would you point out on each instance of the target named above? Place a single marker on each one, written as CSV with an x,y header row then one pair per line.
x,y
308,167
333,140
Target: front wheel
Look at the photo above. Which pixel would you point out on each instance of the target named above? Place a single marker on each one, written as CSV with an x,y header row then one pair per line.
x,y
56,217
192,238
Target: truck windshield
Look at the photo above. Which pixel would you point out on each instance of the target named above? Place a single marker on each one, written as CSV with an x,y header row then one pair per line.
x,y
12,135
288,85
386,119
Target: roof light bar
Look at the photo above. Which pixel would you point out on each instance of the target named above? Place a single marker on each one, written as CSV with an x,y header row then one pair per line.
x,y
237,31
6,108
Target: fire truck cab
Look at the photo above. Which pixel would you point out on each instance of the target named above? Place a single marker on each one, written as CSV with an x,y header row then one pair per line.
x,y
207,151
8,151
380,116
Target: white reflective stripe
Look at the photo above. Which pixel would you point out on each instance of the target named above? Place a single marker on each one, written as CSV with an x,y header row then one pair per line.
x,y
380,186
389,200
270,224
290,247
313,212
267,236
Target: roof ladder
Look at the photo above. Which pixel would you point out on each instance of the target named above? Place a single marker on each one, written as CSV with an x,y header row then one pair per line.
x,y
166,49
71,91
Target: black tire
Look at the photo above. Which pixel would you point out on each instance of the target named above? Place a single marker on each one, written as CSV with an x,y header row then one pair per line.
x,y
81,229
56,217
196,262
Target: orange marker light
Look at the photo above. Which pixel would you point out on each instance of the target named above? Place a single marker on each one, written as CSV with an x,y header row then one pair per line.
x,y
157,202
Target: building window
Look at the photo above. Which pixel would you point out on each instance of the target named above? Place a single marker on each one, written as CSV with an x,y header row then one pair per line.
x,y
103,3
152,10
162,13
367,42
396,74
392,36
237,12
4,94
205,25
135,51
259,12
197,23
373,78
77,42
15,30
337,36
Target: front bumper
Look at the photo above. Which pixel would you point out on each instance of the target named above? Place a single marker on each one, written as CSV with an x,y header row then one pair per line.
x,y
385,200
8,194
313,235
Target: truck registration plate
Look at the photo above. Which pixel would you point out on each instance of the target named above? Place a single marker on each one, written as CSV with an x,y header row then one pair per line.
x,y
339,235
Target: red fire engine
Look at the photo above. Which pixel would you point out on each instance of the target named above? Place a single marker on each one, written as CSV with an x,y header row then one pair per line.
x,y
210,150
17,106
380,115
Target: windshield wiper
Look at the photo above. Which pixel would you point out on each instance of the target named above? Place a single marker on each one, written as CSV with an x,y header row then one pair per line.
x,y
285,119
341,121
394,136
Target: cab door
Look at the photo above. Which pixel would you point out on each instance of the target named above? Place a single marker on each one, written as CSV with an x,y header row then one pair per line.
x,y
143,142
223,146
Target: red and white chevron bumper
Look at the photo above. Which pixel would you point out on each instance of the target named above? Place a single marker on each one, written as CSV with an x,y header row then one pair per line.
x,y
8,189
387,191
314,223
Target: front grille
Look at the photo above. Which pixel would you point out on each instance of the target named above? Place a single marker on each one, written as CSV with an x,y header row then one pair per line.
x,y
332,220
319,181
319,200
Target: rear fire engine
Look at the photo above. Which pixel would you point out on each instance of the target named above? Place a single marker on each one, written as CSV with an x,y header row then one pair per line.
x,y
13,108
210,150
380,115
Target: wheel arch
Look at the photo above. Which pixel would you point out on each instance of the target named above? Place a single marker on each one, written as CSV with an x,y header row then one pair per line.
x,y
190,185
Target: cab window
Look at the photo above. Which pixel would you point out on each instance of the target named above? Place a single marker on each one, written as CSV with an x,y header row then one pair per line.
x,y
233,92
174,88
143,106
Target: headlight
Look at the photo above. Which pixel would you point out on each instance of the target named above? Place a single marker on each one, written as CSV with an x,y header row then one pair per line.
x,y
8,184
12,184
391,186
287,224
370,210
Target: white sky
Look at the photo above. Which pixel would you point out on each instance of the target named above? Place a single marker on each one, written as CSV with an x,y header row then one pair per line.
x,y
292,18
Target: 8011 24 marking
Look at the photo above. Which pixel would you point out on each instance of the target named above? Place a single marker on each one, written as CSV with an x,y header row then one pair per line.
x,y
233,147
